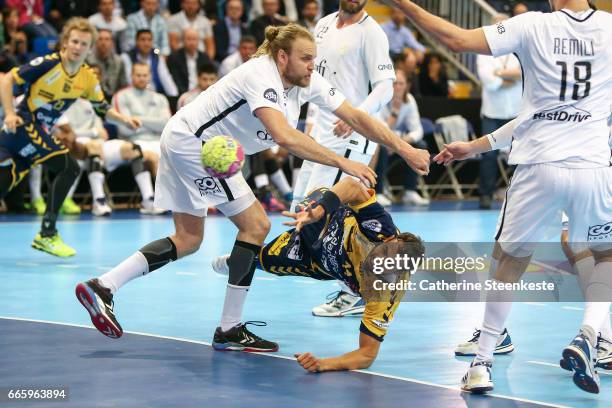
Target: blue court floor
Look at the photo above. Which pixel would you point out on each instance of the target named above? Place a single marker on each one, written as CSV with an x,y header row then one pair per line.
x,y
169,316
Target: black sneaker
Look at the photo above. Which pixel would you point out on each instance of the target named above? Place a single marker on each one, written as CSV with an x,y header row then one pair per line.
x,y
239,338
98,301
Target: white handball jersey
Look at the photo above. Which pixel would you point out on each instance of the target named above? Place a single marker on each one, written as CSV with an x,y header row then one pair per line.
x,y
226,108
350,58
566,59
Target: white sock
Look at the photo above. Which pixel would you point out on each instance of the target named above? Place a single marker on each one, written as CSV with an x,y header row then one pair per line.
x,y
606,330
497,309
96,182
294,177
598,291
261,180
74,185
35,183
235,296
280,181
145,185
133,267
595,313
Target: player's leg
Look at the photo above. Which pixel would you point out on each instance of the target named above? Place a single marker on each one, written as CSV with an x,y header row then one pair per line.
x,y
261,180
35,183
276,174
78,150
253,225
301,182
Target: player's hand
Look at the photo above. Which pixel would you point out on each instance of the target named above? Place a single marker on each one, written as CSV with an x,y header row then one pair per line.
x,y
309,362
309,215
359,170
342,130
418,160
133,123
11,121
454,151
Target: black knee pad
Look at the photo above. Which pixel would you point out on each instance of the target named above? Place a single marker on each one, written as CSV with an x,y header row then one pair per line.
x,y
137,164
94,163
159,253
242,263
72,166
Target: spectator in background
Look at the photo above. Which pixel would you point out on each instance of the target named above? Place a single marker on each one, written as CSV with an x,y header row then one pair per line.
x,y
19,48
270,17
207,75
106,19
502,90
112,67
161,80
519,8
62,10
183,63
148,18
310,11
190,17
408,64
31,21
287,10
400,37
246,48
433,80
230,30
402,116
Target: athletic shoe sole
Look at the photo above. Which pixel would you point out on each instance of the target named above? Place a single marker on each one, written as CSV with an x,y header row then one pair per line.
x,y
239,347
355,311
479,389
41,248
100,320
498,351
574,358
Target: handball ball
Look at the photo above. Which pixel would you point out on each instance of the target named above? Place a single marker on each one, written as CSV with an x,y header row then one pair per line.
x,y
222,157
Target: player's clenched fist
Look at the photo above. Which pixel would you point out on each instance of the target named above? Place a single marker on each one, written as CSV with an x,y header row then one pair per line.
x,y
309,362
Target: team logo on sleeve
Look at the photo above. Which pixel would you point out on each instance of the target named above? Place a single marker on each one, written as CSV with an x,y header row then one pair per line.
x,y
271,95
37,61
600,232
500,28
372,225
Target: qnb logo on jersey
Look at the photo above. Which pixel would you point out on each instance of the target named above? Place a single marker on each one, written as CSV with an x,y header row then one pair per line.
x,y
271,95
600,232
383,67
207,185
567,113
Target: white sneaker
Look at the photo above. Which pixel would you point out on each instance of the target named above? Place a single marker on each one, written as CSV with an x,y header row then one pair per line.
x,y
383,200
478,378
412,197
340,304
147,208
220,266
100,208
470,348
604,354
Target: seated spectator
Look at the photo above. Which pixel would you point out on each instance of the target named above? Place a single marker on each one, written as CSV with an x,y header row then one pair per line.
x,y
407,63
110,64
245,50
10,24
190,17
162,81
400,37
309,18
31,19
183,63
402,116
62,10
287,10
106,19
230,30
433,80
148,18
207,75
270,17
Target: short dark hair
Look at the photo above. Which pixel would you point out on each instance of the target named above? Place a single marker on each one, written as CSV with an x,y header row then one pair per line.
x,y
143,31
207,68
308,2
248,39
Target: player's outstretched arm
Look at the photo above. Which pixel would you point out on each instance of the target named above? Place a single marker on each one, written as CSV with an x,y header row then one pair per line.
x,y
376,131
363,357
306,148
456,38
11,119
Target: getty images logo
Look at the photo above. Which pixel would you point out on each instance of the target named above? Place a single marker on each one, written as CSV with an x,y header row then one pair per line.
x,y
567,113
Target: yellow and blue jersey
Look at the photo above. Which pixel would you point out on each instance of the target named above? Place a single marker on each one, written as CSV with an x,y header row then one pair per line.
x,y
333,249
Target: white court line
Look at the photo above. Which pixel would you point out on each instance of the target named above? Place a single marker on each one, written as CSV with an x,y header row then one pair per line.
x,y
600,372
572,308
394,377
535,304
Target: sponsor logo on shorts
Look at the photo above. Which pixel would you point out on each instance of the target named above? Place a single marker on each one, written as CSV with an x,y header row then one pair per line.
x,y
27,150
379,324
567,113
271,95
207,185
600,232
372,225
294,250
500,28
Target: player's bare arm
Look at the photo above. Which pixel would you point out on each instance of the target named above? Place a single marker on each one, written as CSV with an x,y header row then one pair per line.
x,y
363,357
303,146
452,36
129,121
376,131
11,119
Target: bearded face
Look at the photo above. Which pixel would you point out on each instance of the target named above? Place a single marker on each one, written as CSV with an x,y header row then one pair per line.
x,y
352,6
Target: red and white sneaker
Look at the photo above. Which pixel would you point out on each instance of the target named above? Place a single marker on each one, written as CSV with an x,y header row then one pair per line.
x,y
270,203
98,301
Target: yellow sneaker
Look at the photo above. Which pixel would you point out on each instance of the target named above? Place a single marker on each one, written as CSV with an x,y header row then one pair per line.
x,y
69,207
53,245
39,206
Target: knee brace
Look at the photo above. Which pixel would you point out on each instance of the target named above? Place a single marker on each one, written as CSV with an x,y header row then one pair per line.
x,y
159,253
94,163
137,164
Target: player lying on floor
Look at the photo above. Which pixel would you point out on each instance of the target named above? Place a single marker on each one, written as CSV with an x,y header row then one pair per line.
x,y
337,236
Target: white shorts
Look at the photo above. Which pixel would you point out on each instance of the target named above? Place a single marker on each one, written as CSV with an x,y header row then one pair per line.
x,y
539,192
182,184
314,175
112,151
